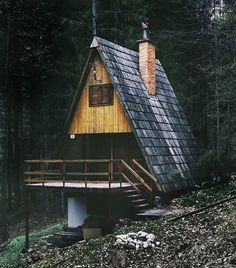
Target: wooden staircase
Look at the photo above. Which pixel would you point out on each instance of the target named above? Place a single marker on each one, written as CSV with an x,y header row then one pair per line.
x,y
140,192
137,200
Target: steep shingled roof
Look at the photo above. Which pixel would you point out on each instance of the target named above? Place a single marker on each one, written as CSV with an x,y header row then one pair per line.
x,y
158,122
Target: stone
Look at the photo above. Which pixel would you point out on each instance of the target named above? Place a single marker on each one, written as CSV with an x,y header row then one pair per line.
x,y
132,235
123,237
151,237
130,240
136,240
142,234
130,245
120,242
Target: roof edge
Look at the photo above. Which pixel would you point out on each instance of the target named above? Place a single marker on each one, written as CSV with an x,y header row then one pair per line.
x,y
94,43
73,105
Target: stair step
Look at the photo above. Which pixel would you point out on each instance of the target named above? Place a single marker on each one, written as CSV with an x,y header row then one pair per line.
x,y
138,200
130,191
142,205
134,196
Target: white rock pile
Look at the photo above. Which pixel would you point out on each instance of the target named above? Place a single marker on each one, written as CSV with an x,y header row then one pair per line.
x,y
139,240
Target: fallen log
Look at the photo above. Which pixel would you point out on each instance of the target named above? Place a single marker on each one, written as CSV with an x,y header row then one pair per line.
x,y
203,208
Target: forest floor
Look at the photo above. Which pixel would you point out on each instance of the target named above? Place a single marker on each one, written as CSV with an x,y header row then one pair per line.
x,y
37,221
40,225
205,239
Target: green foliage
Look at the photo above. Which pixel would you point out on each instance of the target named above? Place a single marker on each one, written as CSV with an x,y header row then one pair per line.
x,y
205,168
209,166
49,230
175,174
203,197
11,256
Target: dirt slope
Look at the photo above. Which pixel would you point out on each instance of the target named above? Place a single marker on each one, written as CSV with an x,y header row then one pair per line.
x,y
207,239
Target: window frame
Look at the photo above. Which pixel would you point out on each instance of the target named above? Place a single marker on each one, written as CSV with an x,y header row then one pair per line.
x,y
100,87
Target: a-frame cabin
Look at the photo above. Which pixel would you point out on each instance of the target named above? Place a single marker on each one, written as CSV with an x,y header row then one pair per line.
x,y
126,138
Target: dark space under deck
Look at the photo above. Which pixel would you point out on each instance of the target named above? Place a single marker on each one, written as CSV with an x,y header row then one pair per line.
x,y
99,201
110,203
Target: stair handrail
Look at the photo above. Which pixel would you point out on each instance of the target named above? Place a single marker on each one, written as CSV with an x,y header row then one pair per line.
x,y
136,175
130,182
147,173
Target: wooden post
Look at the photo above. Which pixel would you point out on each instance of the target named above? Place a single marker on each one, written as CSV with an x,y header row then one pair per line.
x,y
120,174
45,201
63,170
63,174
109,170
43,166
112,158
85,170
62,201
27,212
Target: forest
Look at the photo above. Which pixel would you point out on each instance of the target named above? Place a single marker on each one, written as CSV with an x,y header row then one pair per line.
x,y
43,48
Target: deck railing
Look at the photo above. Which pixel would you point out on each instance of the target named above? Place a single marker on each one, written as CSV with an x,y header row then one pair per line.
x,y
70,171
87,171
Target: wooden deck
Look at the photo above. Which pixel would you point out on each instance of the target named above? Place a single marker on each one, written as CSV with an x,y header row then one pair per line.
x,y
87,175
81,185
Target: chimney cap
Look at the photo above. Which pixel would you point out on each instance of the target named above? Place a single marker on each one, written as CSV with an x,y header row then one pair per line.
x,y
145,26
145,23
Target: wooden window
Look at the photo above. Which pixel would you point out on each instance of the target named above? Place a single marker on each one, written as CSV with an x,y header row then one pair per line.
x,y
100,95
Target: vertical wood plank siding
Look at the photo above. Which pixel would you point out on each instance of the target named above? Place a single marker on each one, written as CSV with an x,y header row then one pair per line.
x,y
102,119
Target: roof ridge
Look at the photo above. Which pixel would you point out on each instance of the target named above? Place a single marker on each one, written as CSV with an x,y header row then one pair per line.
x,y
105,42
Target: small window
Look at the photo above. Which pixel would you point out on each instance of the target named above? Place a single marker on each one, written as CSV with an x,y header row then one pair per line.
x,y
100,95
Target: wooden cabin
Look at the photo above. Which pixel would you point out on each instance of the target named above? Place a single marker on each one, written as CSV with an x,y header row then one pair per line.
x,y
126,138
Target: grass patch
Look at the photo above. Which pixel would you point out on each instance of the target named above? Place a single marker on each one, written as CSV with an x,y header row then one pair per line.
x,y
11,256
202,197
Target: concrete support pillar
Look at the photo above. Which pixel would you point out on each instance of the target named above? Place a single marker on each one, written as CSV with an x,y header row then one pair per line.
x,y
77,211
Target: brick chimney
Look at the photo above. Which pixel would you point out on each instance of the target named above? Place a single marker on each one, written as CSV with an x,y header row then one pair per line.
x,y
147,59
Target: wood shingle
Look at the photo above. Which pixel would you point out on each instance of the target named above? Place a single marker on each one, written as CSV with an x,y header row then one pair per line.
x,y
159,123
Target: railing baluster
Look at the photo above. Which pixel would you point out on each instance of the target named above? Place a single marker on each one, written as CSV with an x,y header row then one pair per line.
x,y
85,178
63,167
120,164
109,177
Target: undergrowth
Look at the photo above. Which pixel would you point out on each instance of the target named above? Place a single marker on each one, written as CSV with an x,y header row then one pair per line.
x,y
205,196
11,256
